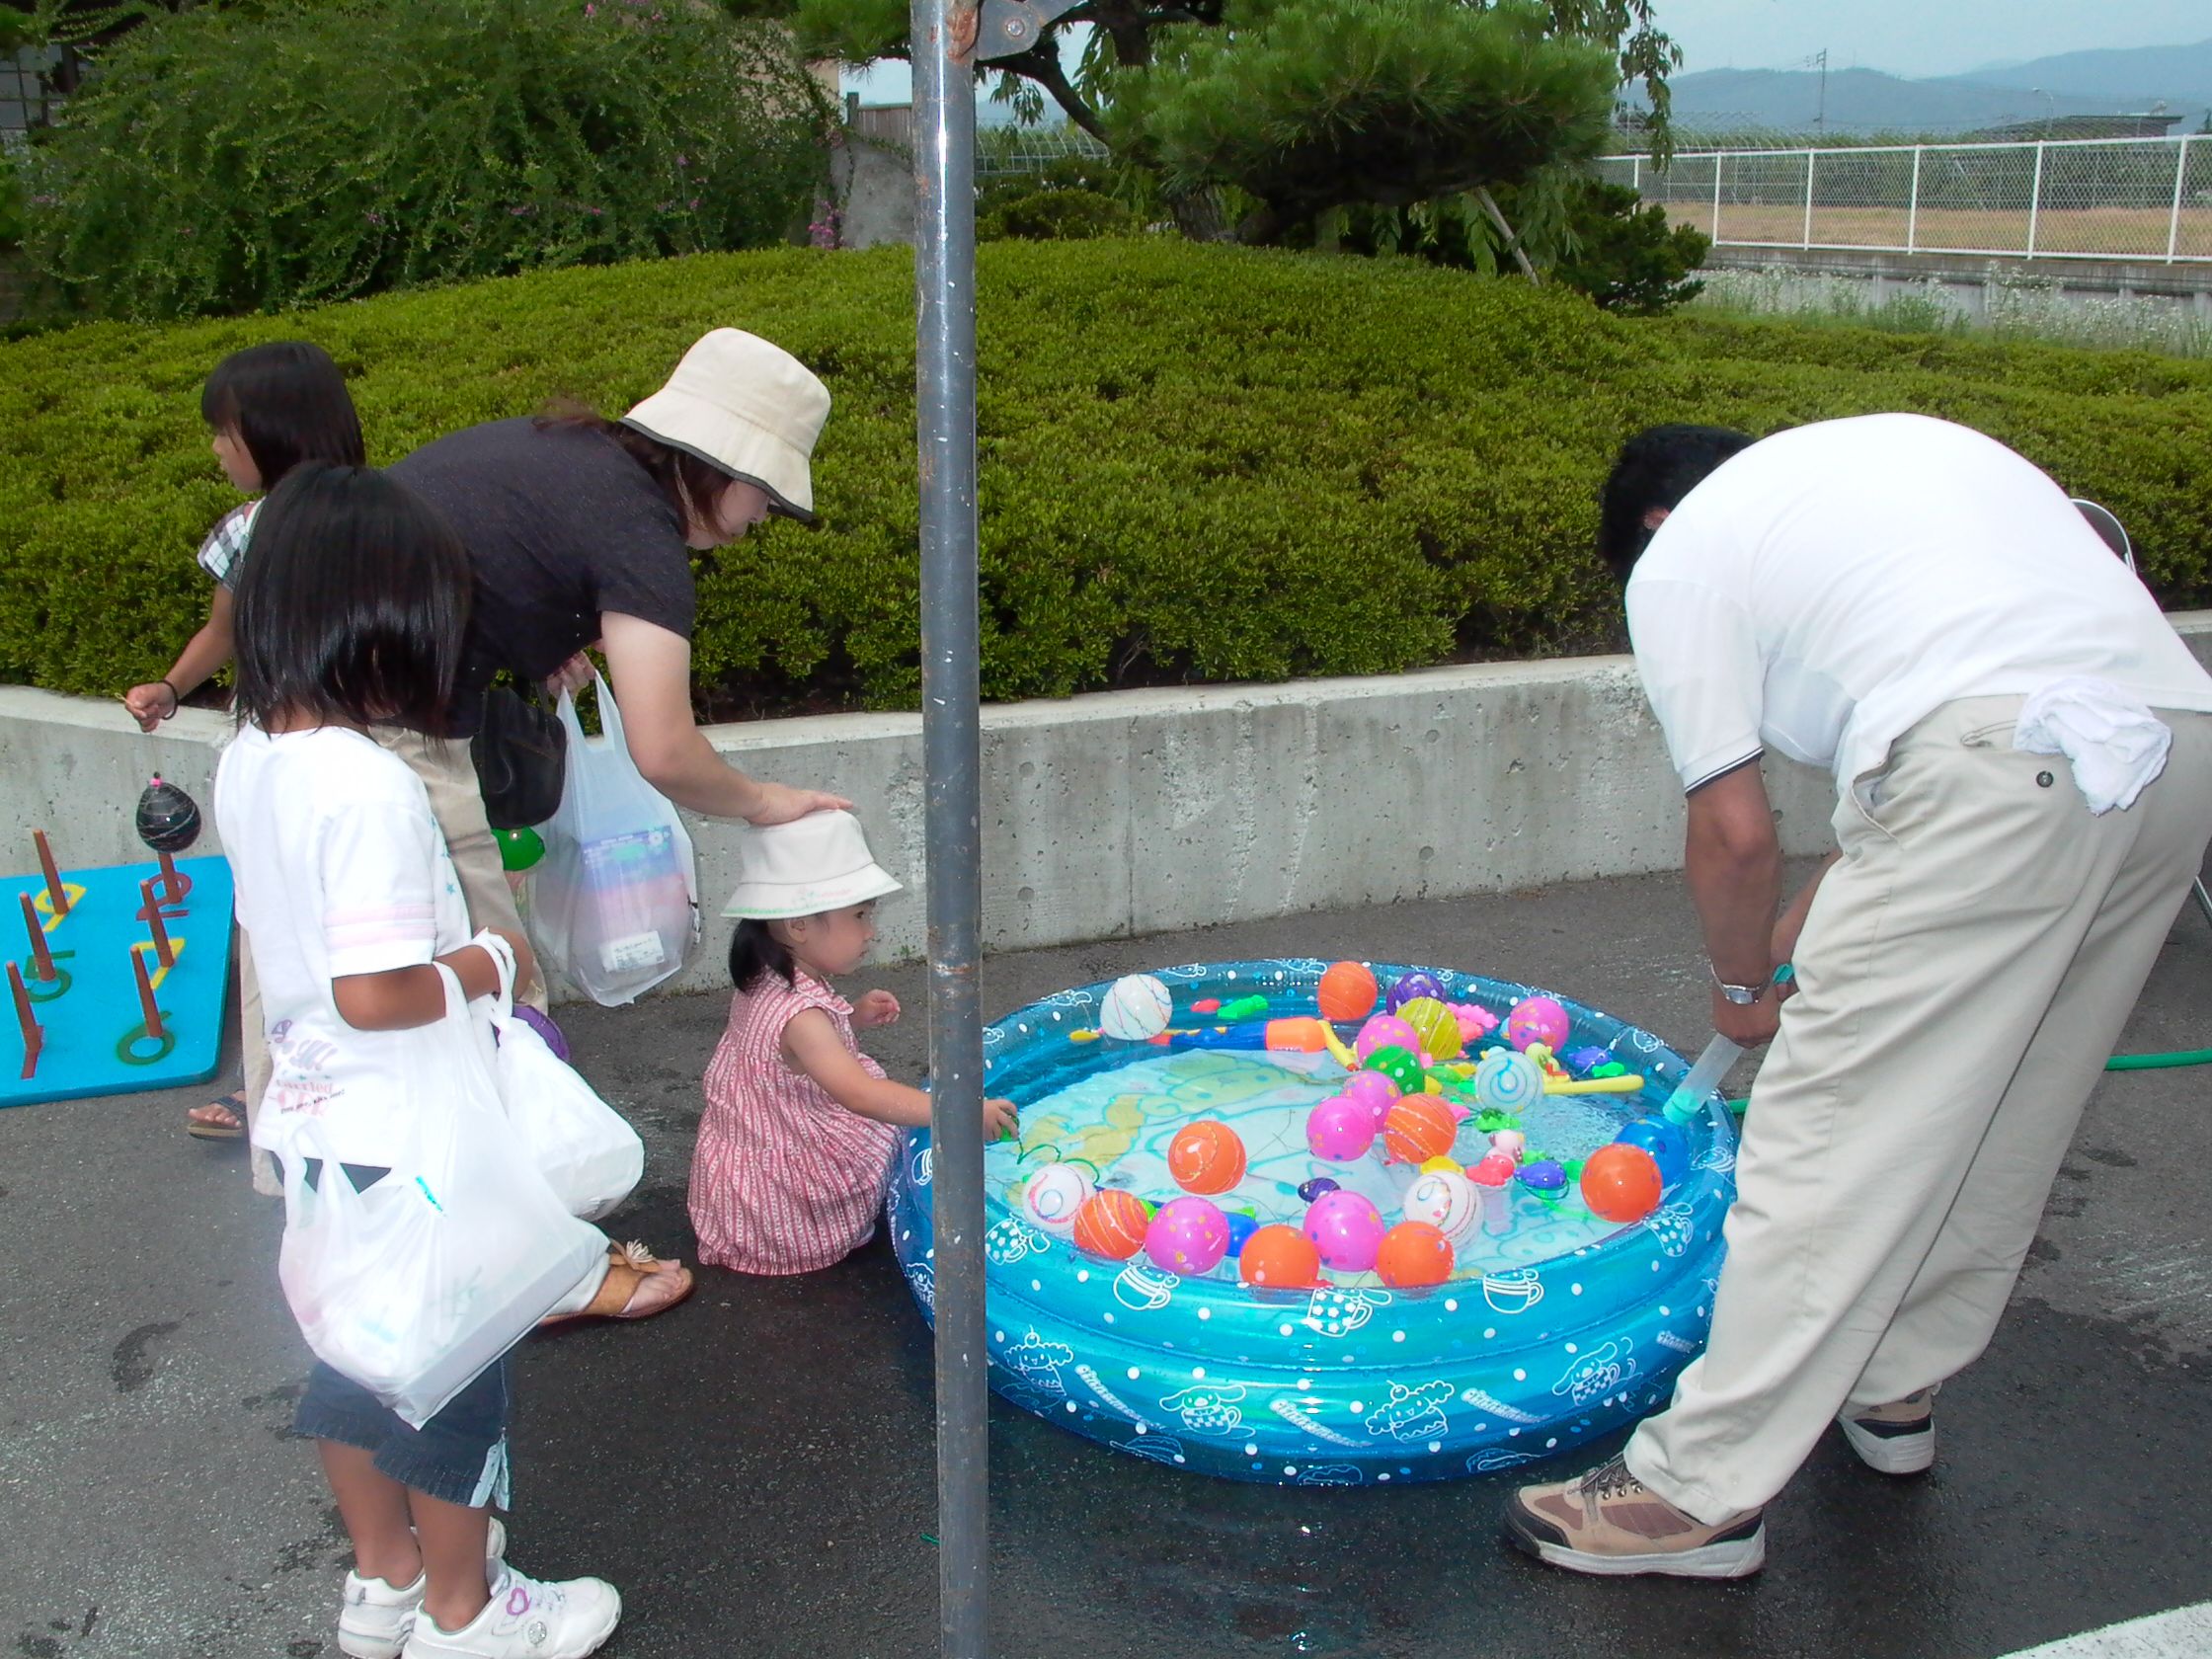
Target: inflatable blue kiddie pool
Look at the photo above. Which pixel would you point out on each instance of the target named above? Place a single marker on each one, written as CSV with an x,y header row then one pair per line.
x,y
1323,1223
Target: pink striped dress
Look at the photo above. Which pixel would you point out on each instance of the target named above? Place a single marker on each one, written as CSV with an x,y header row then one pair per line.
x,y
784,1179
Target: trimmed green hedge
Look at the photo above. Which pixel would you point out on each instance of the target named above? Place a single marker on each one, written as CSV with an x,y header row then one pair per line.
x,y
1199,462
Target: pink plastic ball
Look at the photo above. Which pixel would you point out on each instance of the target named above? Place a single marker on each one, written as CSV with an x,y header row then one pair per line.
x,y
1375,1090
1385,1031
1187,1236
1510,1143
1537,1019
1340,1129
1493,1171
1346,1228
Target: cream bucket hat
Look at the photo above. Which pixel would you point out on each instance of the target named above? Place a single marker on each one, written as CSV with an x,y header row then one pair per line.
x,y
812,864
748,407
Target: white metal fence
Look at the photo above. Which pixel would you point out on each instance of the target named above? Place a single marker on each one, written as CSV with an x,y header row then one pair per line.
x,y
2132,198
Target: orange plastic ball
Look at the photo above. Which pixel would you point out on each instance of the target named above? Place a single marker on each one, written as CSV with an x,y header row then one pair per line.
x,y
1621,1183
1111,1223
1348,992
1280,1258
1420,1126
1413,1254
1206,1156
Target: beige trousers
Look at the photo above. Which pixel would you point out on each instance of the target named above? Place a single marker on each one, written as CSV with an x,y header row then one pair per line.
x,y
1964,974
448,773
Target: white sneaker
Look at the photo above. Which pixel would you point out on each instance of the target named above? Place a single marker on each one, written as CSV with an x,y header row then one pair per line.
x,y
374,1618
526,1620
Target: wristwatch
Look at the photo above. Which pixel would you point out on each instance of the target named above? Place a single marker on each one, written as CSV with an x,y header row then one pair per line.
x,y
1742,996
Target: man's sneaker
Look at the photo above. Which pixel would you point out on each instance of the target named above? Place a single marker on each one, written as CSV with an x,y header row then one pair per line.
x,y
1610,1521
526,1620
1898,1438
374,1618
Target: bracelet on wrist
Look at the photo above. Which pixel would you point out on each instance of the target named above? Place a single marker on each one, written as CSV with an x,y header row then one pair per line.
x,y
176,698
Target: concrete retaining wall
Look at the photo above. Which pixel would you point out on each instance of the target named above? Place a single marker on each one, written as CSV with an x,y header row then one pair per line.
x,y
1131,812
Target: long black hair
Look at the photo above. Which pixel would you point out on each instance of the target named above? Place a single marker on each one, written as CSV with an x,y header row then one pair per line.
x,y
1653,472
755,951
287,403
352,605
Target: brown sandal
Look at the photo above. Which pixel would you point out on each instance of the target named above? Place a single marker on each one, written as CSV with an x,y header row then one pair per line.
x,y
629,1266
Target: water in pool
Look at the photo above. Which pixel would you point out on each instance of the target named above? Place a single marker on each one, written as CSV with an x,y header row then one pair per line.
x,y
1119,1122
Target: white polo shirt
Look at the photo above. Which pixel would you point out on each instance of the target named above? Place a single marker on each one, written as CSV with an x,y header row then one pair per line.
x,y
1829,587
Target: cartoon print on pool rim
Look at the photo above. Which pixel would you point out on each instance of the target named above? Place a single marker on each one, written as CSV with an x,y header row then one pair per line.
x,y
1038,1361
1208,1407
1415,1413
1596,1375
1144,1289
1007,1242
1338,1311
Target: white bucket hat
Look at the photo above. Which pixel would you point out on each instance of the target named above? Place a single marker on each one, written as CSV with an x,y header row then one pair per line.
x,y
812,864
746,407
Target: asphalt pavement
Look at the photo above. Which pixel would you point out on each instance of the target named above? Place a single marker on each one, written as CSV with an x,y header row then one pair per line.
x,y
754,1469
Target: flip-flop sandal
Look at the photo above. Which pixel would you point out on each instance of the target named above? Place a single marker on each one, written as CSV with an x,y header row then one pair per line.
x,y
210,1129
628,1266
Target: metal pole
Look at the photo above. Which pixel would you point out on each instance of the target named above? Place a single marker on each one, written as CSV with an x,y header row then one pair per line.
x,y
2174,221
944,105
1811,157
1717,159
1912,206
2034,201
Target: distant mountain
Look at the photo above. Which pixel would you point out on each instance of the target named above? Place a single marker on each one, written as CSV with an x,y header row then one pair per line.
x,y
2096,83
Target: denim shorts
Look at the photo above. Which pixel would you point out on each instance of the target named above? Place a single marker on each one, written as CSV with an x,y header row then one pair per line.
x,y
459,1457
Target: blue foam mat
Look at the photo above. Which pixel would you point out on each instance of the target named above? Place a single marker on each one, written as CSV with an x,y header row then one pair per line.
x,y
95,1034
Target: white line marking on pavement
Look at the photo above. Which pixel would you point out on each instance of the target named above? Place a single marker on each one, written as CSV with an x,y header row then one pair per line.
x,y
2184,1633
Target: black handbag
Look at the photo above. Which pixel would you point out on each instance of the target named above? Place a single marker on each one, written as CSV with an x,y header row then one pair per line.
x,y
521,759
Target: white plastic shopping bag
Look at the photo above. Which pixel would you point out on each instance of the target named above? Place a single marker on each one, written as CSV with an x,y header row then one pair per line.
x,y
415,1286
615,907
584,1148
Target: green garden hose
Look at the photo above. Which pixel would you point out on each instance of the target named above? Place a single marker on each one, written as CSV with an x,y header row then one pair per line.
x,y
2118,1062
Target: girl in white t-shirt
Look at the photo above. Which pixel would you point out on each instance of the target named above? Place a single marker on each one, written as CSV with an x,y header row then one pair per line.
x,y
350,612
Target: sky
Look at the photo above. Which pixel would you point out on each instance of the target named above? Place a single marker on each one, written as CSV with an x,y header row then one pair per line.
x,y
1916,38
1903,37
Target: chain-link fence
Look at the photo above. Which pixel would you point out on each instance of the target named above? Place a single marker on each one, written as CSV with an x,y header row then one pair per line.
x,y
2139,199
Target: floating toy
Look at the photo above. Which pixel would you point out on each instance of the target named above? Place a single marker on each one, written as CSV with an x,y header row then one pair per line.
x,y
1206,1157
1667,1145
1347,1229
1187,1236
1384,1031
1420,1126
1135,1009
1281,1258
1347,993
1375,1090
1340,1129
1051,1198
1112,1224
1537,1019
1413,1254
1415,988
1436,1029
1621,1183
1505,1081
1476,1021
1458,1308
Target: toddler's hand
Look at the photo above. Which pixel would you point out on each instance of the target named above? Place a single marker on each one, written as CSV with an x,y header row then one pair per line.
x,y
149,706
876,1007
998,1121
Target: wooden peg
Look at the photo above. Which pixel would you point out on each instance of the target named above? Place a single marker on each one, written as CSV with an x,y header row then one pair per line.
x,y
57,896
146,994
41,953
34,1034
151,911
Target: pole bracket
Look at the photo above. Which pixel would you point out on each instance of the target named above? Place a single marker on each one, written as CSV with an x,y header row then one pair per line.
x,y
1010,28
